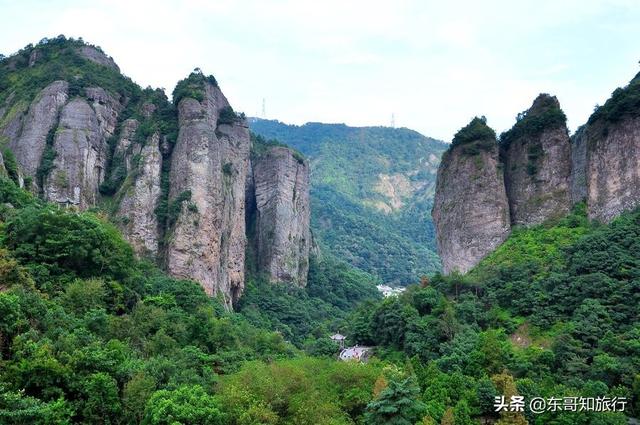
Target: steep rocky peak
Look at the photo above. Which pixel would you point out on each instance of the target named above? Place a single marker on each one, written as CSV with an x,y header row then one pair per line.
x,y
471,211
543,103
536,154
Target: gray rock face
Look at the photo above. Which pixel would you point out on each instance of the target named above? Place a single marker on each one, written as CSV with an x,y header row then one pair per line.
x,y
126,148
537,167
140,195
283,214
579,166
470,212
612,168
106,108
96,56
208,171
3,170
11,116
81,151
41,118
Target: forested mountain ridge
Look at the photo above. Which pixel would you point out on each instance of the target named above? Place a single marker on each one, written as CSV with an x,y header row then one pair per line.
x,y
371,194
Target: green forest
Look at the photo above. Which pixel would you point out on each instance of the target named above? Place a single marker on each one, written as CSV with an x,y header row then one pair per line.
x,y
89,334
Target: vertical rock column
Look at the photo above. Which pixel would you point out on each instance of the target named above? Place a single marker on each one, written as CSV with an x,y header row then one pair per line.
x,y
470,211
41,118
206,240
282,203
81,149
139,197
537,164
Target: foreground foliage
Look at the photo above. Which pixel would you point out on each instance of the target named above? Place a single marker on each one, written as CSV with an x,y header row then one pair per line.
x,y
553,312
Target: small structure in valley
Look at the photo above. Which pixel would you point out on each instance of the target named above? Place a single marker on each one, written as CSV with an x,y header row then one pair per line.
x,y
339,338
357,353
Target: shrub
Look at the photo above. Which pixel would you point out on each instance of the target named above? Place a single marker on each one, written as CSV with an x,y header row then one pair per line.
x,y
227,116
477,134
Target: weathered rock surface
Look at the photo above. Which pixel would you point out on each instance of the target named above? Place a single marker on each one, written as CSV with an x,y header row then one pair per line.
x,y
537,164
81,152
208,171
3,170
140,195
106,108
11,117
282,221
41,118
471,211
579,166
126,148
612,168
96,56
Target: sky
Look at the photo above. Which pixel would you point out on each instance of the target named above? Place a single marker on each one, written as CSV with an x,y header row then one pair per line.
x,y
434,65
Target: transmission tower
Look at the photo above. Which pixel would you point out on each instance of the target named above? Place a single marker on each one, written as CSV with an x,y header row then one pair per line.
x,y
393,120
264,108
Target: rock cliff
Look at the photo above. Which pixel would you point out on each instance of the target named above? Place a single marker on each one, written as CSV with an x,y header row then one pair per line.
x,y
43,113
139,198
545,174
612,167
537,163
471,211
207,188
283,236
173,176
80,147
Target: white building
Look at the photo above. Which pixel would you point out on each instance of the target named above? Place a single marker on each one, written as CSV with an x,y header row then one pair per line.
x,y
357,353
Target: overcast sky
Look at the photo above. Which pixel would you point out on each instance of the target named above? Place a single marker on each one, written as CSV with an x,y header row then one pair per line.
x,y
434,64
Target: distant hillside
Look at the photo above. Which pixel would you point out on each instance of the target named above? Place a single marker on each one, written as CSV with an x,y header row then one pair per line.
x,y
371,193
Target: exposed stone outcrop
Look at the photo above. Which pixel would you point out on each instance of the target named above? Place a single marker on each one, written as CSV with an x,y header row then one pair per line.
x,y
106,108
612,167
140,195
41,118
283,236
208,171
96,56
81,152
537,164
126,148
63,136
3,169
579,166
471,211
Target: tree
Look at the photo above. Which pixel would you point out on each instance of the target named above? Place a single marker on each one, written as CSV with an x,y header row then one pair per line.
x,y
397,404
102,405
448,418
18,409
84,295
507,387
135,395
187,405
